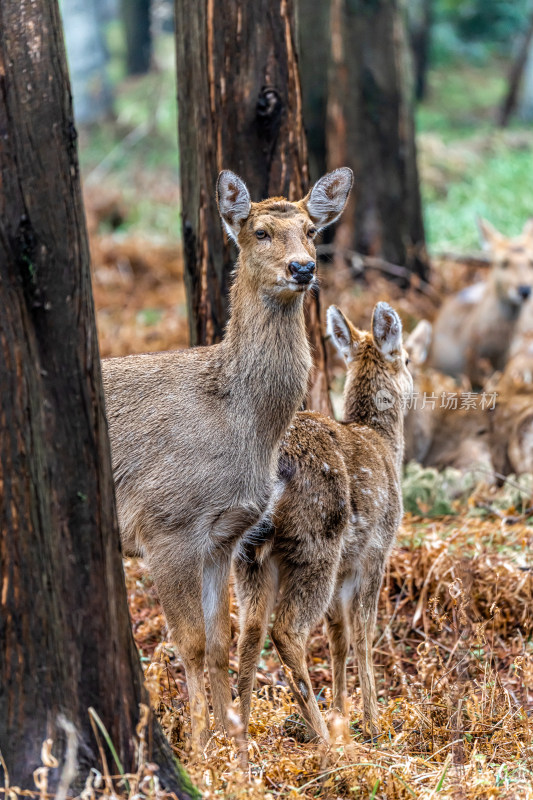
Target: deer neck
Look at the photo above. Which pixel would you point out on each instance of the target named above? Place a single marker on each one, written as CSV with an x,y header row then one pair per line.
x,y
375,403
267,360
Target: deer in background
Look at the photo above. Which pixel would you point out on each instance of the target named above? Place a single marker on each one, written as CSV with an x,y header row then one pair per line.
x,y
439,433
195,433
475,327
511,430
324,548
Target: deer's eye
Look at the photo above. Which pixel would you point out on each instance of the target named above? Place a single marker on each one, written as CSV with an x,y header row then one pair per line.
x,y
505,263
407,361
311,232
261,234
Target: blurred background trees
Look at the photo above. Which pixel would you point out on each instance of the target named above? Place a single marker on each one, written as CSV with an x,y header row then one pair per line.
x,y
410,94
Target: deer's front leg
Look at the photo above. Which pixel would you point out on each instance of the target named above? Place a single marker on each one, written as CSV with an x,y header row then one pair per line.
x,y
226,531
177,571
215,600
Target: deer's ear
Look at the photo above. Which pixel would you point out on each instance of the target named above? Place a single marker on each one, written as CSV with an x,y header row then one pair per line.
x,y
233,200
387,329
326,200
488,234
418,342
343,334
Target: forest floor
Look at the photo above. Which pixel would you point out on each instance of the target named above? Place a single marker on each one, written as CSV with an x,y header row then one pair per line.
x,y
454,647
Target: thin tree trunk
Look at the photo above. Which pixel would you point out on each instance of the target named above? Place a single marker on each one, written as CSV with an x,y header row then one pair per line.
x,y
241,69
420,22
65,634
371,129
88,59
516,75
136,19
314,44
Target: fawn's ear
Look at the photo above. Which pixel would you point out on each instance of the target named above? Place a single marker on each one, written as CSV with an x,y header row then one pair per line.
x,y
527,230
387,329
233,200
418,342
326,200
488,234
342,332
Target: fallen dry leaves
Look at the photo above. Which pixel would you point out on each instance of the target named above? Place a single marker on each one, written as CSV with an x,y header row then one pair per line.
x,y
454,669
454,647
454,650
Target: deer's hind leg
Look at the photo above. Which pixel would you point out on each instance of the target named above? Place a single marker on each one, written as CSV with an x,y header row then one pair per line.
x,y
306,593
364,612
338,629
256,587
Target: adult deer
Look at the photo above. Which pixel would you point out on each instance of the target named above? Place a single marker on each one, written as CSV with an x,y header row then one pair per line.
x,y
195,433
475,327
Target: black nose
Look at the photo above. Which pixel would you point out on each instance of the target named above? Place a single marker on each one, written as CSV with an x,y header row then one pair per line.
x,y
524,291
302,273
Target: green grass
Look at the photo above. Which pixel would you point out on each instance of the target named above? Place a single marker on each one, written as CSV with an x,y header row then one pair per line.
x,y
494,175
462,99
499,187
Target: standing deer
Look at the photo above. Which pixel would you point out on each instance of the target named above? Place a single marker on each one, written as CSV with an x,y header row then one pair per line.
x,y
474,328
195,434
325,546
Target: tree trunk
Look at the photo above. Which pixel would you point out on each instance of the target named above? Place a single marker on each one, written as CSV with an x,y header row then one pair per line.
x,y
420,14
241,69
65,634
520,91
136,21
87,55
371,129
314,40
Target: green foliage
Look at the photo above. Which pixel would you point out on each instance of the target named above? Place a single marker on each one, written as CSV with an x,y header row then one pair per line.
x,y
432,493
475,29
497,187
516,492
468,166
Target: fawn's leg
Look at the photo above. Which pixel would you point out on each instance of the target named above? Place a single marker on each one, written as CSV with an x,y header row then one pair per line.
x,y
255,586
339,645
364,610
215,601
178,578
306,593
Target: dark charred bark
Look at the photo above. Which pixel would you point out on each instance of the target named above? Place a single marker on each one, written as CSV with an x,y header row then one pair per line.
x,y
314,40
240,108
371,129
136,20
65,634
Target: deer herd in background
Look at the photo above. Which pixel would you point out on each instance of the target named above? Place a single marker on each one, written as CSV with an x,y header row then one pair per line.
x,y
482,339
215,467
